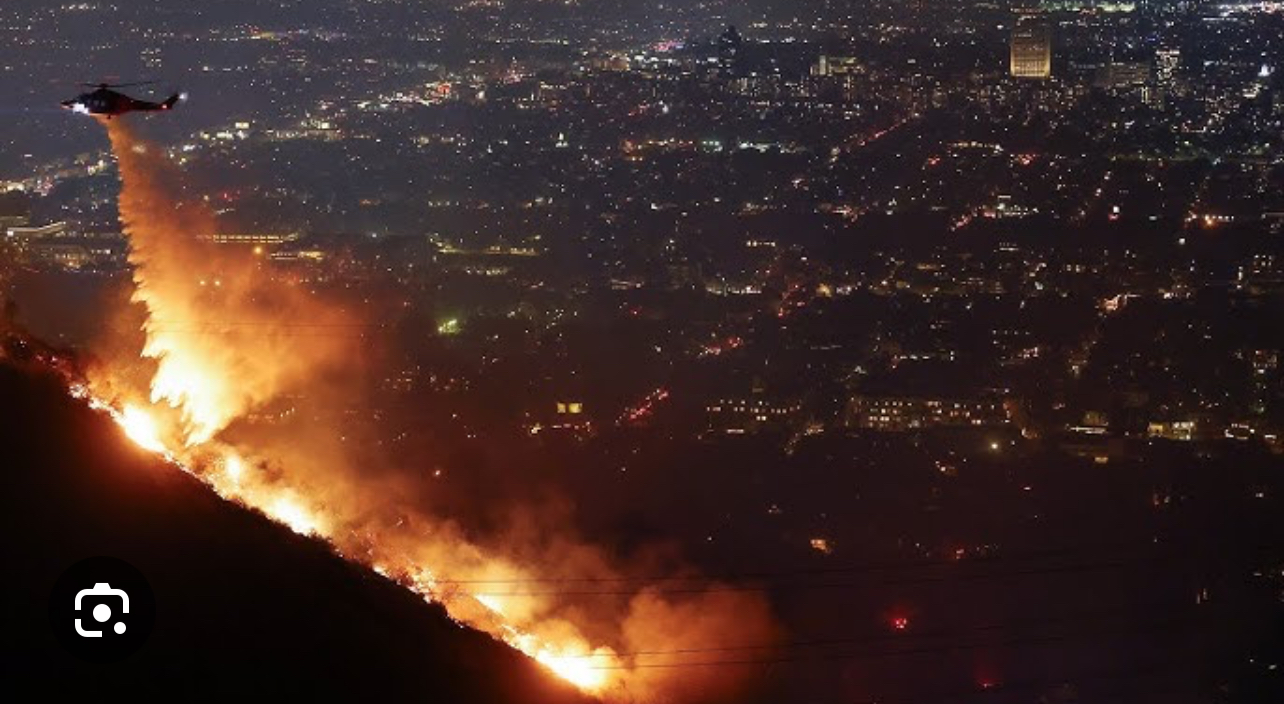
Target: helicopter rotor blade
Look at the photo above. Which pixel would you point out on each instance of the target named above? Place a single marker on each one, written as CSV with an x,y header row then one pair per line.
x,y
118,85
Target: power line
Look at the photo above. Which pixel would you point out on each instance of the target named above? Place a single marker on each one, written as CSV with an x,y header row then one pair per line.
x,y
1080,617
886,565
714,588
1158,626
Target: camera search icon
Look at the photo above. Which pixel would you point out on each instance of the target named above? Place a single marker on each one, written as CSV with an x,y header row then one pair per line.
x,y
102,609
102,612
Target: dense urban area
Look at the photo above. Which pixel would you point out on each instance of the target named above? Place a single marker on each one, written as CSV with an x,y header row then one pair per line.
x,y
953,328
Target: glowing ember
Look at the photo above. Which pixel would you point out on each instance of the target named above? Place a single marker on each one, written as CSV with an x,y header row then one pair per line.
x,y
141,428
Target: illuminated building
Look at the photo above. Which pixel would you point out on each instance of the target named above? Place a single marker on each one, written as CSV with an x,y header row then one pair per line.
x,y
729,45
1166,63
1261,274
299,255
1181,430
494,261
67,256
836,66
568,417
610,62
57,229
572,408
1123,74
1107,6
42,245
75,254
1005,207
253,238
903,413
1031,50
755,413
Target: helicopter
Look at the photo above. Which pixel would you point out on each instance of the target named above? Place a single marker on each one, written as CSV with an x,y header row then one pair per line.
x,y
109,103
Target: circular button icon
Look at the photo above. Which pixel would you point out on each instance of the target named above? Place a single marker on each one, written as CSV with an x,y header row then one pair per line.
x,y
102,609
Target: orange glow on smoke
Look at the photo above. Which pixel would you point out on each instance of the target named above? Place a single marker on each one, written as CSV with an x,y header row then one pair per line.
x,y
223,352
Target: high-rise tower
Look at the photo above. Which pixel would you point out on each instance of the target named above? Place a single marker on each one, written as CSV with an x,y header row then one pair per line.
x,y
1031,48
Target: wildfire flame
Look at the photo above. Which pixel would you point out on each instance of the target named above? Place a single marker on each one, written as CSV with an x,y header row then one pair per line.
x,y
580,668
287,510
586,668
233,468
141,428
202,383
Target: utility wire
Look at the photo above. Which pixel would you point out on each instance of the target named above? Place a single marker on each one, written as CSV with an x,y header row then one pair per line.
x,y
946,578
1156,627
885,565
1081,617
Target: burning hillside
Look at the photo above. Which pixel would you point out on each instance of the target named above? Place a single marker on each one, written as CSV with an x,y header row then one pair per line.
x,y
219,343
247,609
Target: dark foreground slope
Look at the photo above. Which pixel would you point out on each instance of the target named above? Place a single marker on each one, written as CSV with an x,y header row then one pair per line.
x,y
245,608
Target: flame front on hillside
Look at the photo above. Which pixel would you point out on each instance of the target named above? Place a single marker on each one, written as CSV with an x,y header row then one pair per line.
x,y
141,428
217,330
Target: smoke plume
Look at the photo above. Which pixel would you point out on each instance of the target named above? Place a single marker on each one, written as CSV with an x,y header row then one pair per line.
x,y
193,289
221,329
